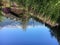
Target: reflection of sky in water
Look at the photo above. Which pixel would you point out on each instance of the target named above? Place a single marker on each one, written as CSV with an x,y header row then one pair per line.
x,y
12,23
37,35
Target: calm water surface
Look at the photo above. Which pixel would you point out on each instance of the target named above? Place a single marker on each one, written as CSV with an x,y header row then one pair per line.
x,y
25,33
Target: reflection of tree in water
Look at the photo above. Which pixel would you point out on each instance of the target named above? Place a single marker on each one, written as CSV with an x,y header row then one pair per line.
x,y
55,31
24,22
23,19
1,16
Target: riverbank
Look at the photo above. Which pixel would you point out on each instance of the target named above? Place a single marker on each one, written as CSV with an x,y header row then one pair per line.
x,y
45,20
39,17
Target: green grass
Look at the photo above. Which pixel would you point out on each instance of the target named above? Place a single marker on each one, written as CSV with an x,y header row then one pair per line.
x,y
48,8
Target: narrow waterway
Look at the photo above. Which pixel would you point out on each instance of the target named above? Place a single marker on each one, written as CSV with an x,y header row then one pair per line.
x,y
26,32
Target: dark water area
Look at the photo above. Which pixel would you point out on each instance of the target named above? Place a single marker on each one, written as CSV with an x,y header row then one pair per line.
x,y
27,32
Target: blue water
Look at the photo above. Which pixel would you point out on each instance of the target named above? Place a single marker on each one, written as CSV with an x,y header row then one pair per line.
x,y
34,33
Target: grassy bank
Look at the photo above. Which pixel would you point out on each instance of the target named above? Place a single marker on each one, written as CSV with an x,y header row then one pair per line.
x,y
47,10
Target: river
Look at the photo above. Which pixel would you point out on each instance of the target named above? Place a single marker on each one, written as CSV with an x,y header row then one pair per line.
x,y
26,32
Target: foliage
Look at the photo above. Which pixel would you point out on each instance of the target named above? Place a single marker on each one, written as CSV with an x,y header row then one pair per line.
x,y
49,8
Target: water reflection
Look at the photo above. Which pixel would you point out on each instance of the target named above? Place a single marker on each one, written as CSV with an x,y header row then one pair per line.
x,y
34,32
22,23
56,33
